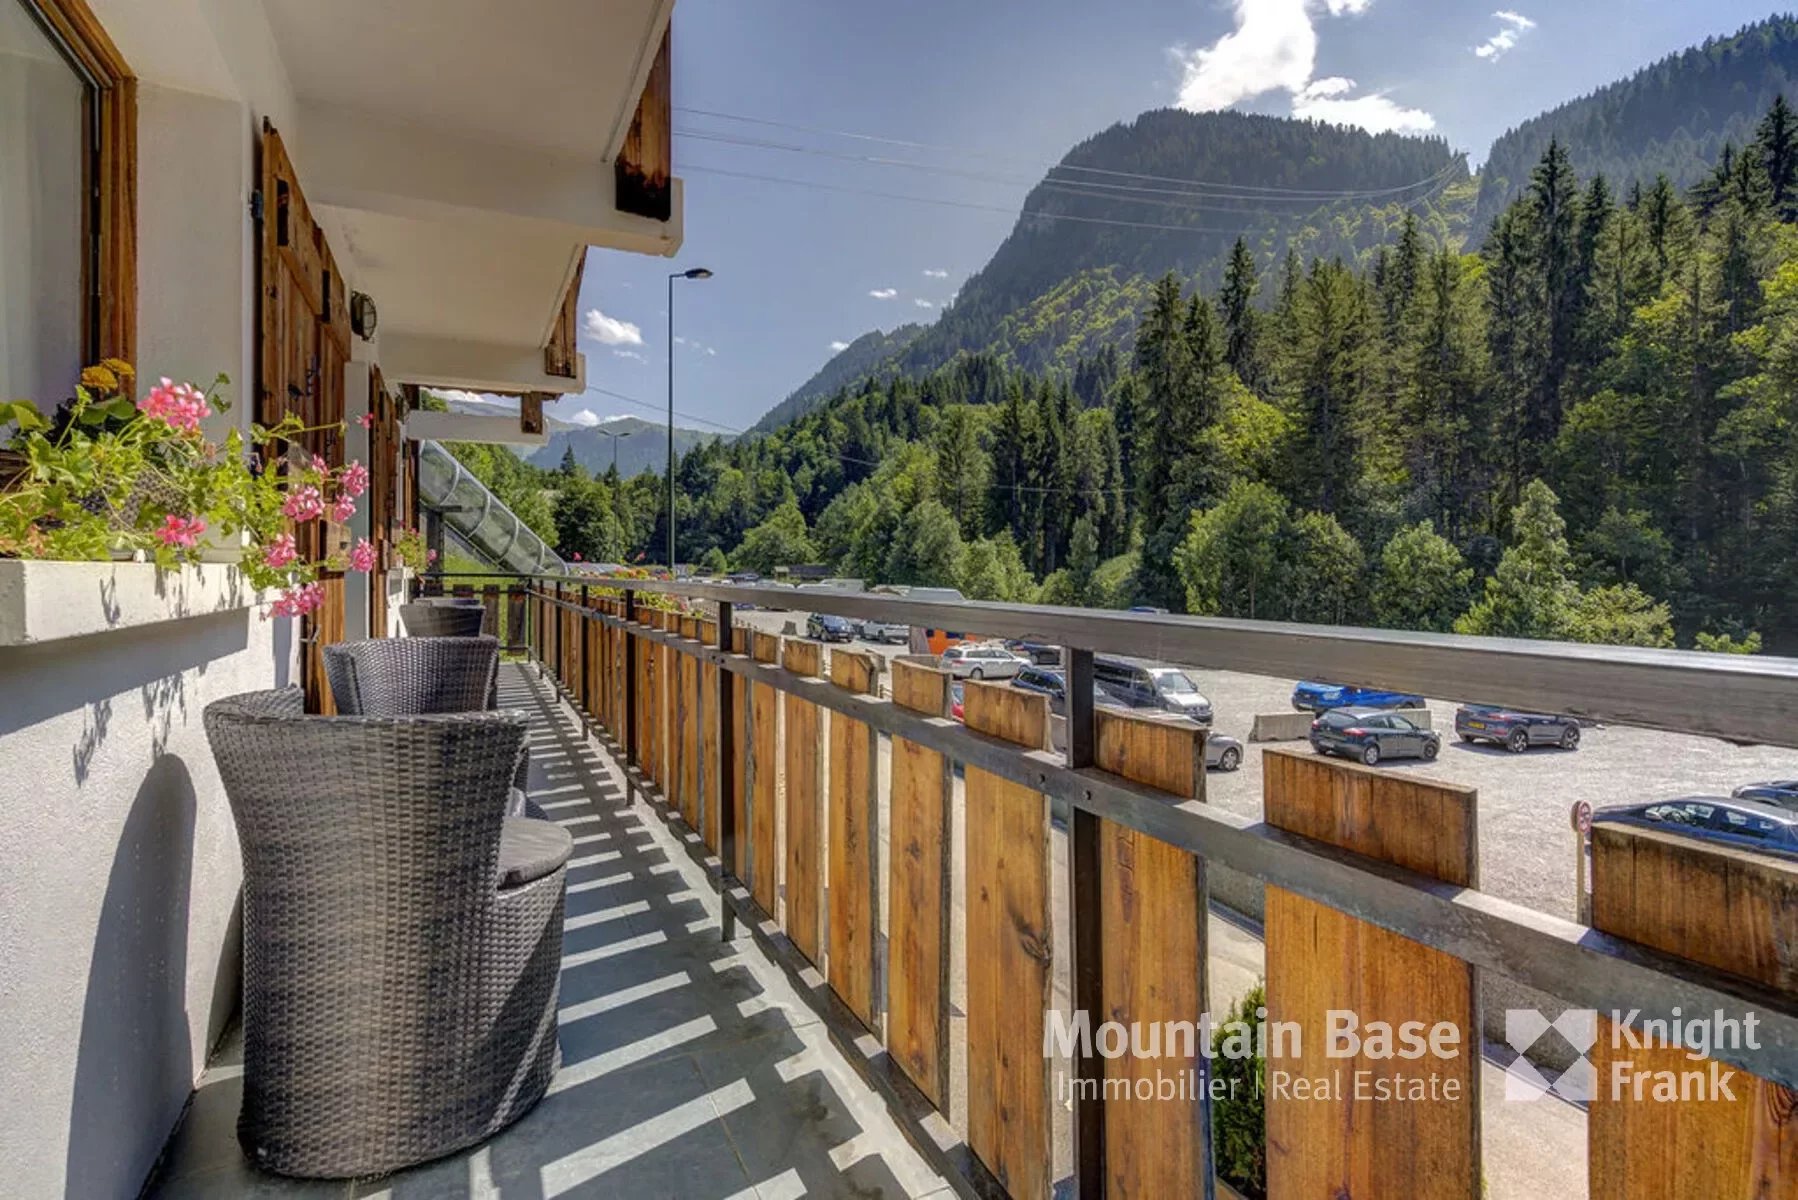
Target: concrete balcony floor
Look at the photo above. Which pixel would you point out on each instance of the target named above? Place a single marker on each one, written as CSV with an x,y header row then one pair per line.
x,y
690,1066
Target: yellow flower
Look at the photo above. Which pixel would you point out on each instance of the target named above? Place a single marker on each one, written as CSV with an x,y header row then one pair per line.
x,y
119,367
99,379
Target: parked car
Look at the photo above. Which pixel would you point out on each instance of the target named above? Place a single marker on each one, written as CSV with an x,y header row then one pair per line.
x,y
744,577
1515,731
955,695
1322,697
1781,793
1052,682
1372,734
1722,820
828,627
1143,685
887,632
1222,753
981,662
1040,653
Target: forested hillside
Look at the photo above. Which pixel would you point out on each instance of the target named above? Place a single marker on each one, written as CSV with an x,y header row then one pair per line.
x,y
641,445
1587,430
868,355
1672,118
1122,208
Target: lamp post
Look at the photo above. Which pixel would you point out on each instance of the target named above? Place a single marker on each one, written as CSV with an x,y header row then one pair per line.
x,y
615,437
692,273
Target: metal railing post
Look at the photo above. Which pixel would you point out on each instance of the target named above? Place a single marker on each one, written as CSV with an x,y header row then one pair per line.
x,y
586,636
629,720
726,774
1085,964
555,662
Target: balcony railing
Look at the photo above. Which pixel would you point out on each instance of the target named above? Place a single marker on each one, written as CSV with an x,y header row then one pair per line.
x,y
1373,903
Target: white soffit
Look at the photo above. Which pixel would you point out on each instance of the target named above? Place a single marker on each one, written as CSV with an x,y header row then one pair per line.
x,y
458,153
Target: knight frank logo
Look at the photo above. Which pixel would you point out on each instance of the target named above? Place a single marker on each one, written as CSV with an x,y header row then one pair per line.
x,y
1701,1078
1524,1027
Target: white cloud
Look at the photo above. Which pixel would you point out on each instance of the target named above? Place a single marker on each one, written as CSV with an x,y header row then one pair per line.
x,y
839,347
923,303
1274,48
935,274
1513,25
884,293
1330,100
611,331
631,354
586,417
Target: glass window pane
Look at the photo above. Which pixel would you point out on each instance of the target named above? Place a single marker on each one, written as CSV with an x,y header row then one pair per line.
x,y
42,146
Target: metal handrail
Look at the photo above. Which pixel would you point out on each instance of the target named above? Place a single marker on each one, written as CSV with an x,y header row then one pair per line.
x,y
1741,698
1573,962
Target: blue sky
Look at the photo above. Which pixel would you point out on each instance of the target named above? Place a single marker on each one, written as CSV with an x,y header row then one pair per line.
x,y
1004,89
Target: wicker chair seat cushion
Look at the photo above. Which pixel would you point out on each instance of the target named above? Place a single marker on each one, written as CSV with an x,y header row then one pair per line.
x,y
530,850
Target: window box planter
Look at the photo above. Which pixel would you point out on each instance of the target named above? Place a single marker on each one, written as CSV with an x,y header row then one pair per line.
x,y
43,601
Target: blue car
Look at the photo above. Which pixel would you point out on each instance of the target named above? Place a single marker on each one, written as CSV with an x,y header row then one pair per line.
x,y
1747,824
1781,793
1322,697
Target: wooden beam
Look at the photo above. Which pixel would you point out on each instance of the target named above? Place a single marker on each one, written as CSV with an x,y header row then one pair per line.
x,y
644,168
530,414
560,353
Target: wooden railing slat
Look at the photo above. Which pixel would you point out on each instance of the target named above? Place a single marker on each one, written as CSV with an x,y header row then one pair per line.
x,y
805,793
852,844
1152,960
919,887
1728,909
1320,960
1008,949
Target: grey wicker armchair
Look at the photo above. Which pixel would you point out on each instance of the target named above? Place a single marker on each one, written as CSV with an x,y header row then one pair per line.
x,y
402,936
403,677
443,619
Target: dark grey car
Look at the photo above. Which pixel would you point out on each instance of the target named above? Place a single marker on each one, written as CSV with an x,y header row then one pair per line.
x,y
1516,731
1372,734
1723,820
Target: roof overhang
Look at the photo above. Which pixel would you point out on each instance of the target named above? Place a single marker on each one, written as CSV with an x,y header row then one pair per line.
x,y
461,157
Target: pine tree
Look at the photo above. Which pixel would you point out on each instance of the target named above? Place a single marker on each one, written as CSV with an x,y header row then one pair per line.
x,y
1776,145
1237,300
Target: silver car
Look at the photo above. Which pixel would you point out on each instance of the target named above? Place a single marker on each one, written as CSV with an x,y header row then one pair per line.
x,y
894,633
982,662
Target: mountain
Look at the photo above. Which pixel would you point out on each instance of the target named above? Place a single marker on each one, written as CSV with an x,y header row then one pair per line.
x,y
642,445
1168,191
489,406
867,356
1670,118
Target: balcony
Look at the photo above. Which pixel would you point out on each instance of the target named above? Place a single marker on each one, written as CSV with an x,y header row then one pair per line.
x,y
817,929
691,1066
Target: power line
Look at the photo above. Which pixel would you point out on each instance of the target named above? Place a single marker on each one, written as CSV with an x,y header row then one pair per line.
x,y
1182,197
1251,189
962,204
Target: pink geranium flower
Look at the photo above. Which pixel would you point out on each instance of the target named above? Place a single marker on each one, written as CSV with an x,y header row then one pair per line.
x,y
181,531
355,479
304,503
179,405
298,601
342,509
366,420
280,553
362,556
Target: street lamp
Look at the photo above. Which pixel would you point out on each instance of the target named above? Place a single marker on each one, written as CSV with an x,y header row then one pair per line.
x,y
615,437
692,273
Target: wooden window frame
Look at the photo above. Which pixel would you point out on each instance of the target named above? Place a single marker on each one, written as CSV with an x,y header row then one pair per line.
x,y
109,220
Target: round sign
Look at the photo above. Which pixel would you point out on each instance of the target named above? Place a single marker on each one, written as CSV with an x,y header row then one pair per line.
x,y
1582,817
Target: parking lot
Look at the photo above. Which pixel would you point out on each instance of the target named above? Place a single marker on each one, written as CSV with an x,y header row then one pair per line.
x,y
1527,849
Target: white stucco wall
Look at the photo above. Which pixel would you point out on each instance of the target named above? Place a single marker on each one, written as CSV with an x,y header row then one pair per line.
x,y
119,880
119,866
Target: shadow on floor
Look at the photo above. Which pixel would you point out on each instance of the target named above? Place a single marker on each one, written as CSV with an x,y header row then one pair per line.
x,y
690,1066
